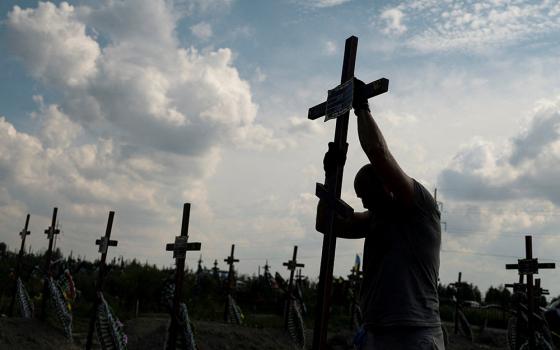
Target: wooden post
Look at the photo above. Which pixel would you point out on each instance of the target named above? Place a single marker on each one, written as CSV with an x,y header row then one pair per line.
x,y
528,267
355,278
291,265
23,234
104,243
331,190
179,249
50,232
456,316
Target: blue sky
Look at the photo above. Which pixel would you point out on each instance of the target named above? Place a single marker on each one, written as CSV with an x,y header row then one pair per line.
x,y
139,106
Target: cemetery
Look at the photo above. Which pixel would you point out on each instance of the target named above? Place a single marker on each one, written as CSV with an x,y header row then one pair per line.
x,y
50,299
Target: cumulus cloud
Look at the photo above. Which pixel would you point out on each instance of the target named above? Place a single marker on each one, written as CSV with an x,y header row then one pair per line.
x,y
202,30
139,120
142,85
525,168
440,26
394,19
325,3
330,47
52,43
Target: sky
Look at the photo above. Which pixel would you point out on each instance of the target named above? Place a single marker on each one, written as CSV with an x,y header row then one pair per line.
x,y
138,106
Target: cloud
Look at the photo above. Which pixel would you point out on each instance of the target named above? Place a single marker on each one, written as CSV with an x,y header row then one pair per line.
x,y
52,43
441,26
322,3
137,123
330,47
202,30
526,168
142,86
393,18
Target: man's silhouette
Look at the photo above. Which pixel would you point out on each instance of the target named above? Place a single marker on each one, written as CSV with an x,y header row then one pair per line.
x,y
401,227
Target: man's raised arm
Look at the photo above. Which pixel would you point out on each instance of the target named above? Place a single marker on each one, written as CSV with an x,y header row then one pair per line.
x,y
374,145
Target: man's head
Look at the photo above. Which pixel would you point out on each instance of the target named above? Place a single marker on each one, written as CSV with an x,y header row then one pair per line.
x,y
370,188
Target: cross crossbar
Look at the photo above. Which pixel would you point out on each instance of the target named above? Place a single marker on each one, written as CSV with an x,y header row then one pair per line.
x,y
372,89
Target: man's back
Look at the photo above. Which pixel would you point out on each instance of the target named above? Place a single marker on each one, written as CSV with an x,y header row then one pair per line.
x,y
401,264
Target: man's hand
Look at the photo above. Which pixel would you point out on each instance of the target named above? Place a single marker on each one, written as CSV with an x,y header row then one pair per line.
x,y
359,101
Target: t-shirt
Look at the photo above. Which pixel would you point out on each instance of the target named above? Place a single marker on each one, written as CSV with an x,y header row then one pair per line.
x,y
401,265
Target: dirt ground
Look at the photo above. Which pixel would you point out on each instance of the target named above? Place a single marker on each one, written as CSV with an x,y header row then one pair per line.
x,y
19,334
149,333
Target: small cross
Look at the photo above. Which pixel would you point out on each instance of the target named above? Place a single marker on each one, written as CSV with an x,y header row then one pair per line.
x,y
181,244
25,232
299,276
291,265
104,243
179,249
51,231
528,267
230,259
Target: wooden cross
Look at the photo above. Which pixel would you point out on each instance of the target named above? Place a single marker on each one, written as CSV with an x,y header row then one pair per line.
x,y
23,235
179,249
104,243
50,232
299,277
215,269
528,267
230,260
539,291
291,265
330,192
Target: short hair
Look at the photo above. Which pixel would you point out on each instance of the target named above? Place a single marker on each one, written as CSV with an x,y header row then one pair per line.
x,y
367,178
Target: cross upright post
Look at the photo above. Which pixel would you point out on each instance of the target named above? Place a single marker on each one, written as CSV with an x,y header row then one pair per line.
x,y
104,243
291,265
50,232
331,190
528,267
23,234
179,249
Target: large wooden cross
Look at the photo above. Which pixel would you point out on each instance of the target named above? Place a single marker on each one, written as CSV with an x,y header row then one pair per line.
x,y
23,234
50,232
528,267
104,243
179,249
331,190
291,265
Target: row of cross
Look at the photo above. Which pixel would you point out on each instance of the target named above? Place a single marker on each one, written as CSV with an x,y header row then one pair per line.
x,y
179,247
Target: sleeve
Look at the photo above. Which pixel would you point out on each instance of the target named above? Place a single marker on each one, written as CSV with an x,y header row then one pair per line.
x,y
424,202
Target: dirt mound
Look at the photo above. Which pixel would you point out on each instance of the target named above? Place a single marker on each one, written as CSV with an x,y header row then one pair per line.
x,y
149,333
20,333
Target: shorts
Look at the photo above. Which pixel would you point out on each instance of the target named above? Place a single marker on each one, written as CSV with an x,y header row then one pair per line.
x,y
406,338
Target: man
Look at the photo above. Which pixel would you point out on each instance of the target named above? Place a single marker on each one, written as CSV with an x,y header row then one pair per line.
x,y
401,227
